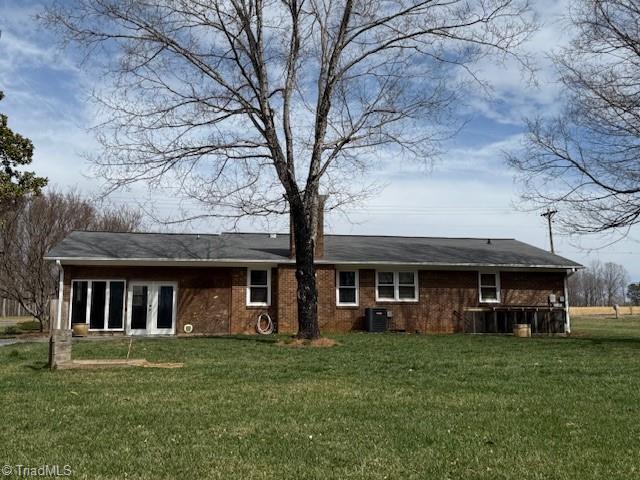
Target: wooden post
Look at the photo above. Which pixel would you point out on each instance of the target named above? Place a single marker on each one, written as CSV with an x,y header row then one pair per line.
x,y
4,307
548,321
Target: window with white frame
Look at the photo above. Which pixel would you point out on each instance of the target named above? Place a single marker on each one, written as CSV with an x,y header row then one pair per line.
x,y
259,287
100,303
347,288
489,287
401,286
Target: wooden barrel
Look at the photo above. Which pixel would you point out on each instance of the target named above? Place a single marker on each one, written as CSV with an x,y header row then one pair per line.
x,y
522,330
80,329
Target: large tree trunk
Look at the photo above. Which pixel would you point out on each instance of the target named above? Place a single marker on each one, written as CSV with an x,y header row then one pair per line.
x,y
307,293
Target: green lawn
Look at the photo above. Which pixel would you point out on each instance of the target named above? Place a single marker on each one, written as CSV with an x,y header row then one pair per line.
x,y
385,406
608,326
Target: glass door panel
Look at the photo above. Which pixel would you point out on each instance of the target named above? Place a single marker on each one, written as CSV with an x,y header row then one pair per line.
x,y
116,304
98,296
165,307
139,307
79,302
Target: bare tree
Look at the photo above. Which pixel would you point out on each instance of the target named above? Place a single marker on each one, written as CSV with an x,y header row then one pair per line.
x,y
586,160
255,107
599,284
32,228
585,286
615,279
575,285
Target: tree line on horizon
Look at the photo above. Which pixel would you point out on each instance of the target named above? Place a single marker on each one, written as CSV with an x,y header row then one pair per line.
x,y
602,284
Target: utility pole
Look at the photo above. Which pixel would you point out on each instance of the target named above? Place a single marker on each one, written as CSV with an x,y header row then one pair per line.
x,y
549,215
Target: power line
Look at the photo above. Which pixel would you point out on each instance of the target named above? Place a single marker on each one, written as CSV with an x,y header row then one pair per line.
x,y
365,210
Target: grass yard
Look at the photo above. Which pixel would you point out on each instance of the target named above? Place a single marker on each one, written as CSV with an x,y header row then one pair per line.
x,y
381,406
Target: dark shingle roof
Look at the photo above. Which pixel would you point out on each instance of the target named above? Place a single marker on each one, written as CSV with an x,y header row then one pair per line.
x,y
256,247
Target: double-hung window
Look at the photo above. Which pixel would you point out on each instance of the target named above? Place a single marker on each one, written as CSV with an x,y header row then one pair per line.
x,y
489,287
386,286
347,288
259,287
100,303
401,286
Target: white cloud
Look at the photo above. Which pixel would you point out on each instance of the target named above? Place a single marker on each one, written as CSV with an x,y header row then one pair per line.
x,y
514,97
43,100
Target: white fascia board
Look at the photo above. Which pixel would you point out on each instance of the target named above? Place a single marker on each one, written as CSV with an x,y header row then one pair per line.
x,y
151,262
452,266
93,261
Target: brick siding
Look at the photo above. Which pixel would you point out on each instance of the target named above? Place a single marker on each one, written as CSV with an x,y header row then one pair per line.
x,y
213,300
443,296
204,294
243,318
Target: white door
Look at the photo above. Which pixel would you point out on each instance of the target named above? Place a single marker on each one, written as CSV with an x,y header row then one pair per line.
x,y
151,308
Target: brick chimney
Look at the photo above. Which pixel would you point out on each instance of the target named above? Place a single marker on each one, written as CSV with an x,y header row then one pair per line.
x,y
319,250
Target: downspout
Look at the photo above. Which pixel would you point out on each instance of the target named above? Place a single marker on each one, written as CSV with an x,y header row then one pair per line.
x,y
567,327
60,295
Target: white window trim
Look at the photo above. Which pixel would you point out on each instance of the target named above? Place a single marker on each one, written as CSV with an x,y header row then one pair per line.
x,y
396,287
357,287
496,274
106,306
259,304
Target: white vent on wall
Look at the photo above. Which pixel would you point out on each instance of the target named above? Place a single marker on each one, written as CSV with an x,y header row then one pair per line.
x,y
188,328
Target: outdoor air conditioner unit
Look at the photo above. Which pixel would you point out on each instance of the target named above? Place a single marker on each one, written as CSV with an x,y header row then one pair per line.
x,y
375,319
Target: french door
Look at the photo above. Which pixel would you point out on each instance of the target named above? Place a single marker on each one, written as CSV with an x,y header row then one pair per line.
x,y
151,308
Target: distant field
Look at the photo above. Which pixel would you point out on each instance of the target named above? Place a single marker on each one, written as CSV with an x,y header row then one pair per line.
x,y
622,310
378,406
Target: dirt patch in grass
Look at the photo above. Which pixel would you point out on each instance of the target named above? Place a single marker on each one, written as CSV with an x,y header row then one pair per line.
x,y
300,343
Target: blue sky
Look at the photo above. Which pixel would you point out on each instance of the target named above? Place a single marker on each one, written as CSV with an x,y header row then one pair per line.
x,y
469,191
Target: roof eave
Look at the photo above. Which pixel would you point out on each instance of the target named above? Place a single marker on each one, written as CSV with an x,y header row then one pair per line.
x,y
235,261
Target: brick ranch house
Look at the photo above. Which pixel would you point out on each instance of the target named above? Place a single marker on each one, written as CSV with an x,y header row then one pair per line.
x,y
171,284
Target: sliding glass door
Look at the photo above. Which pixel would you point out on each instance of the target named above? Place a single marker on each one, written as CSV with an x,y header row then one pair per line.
x,y
100,303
